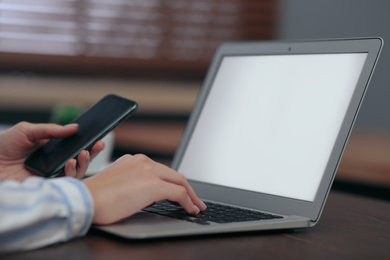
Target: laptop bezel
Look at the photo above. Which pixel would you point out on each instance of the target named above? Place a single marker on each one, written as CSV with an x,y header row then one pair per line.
x,y
271,203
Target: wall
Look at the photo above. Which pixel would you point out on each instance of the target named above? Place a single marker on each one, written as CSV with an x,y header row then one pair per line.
x,y
301,19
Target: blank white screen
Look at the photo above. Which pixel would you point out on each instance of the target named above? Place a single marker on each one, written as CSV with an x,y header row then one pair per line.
x,y
270,122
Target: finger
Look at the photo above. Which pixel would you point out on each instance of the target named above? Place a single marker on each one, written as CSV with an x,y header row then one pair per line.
x,y
179,179
83,162
70,168
194,198
167,174
96,149
178,194
47,131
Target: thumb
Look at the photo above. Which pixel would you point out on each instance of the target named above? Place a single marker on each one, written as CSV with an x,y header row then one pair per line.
x,y
48,131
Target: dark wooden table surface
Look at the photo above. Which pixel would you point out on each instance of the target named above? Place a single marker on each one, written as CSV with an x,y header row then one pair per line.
x,y
351,227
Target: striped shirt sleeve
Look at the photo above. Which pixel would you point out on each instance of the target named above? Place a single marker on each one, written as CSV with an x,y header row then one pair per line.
x,y
38,212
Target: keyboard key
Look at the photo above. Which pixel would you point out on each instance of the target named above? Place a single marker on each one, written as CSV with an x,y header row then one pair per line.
x,y
214,213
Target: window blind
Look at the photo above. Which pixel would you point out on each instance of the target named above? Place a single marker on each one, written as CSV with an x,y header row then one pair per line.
x,y
157,34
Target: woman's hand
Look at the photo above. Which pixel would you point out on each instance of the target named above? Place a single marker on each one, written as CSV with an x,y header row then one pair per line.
x,y
19,141
135,182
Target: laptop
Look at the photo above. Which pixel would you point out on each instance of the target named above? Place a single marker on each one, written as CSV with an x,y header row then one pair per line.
x,y
266,135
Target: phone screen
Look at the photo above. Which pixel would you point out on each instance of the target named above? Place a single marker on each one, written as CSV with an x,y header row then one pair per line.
x,y
94,124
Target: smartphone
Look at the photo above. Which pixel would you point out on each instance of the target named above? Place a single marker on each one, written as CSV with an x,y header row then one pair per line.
x,y
96,122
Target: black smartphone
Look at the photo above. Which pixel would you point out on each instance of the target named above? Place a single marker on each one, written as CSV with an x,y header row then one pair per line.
x,y
50,159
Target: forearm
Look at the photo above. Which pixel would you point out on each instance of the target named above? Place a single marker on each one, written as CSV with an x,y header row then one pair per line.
x,y
39,212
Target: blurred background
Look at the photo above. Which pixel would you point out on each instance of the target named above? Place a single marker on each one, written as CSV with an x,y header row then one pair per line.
x,y
156,52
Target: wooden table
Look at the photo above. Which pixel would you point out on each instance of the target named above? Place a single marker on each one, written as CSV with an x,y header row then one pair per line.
x,y
351,227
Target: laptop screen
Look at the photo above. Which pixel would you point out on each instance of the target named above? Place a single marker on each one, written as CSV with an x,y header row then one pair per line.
x,y
269,123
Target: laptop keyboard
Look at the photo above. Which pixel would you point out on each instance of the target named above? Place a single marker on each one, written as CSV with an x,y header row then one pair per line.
x,y
214,213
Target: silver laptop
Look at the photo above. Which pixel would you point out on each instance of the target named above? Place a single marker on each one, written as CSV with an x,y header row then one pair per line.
x,y
266,135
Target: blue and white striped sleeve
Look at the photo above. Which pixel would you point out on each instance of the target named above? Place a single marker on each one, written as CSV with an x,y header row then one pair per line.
x,y
38,212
